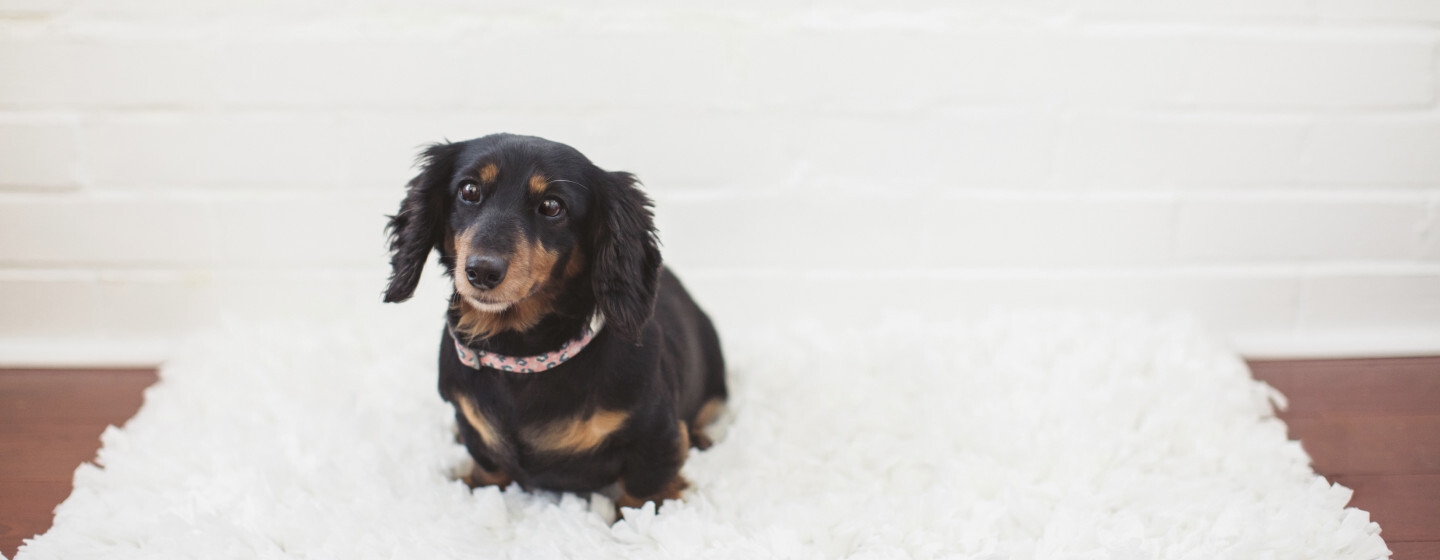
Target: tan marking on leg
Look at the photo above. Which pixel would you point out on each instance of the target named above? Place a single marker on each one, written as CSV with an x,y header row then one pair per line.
x,y
489,436
709,412
480,477
538,182
489,173
684,441
707,415
672,490
576,435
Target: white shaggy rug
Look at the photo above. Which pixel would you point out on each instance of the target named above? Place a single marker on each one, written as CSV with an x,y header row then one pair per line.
x,y
1024,435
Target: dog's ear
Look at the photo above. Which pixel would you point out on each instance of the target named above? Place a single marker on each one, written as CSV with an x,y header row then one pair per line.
x,y
626,263
418,226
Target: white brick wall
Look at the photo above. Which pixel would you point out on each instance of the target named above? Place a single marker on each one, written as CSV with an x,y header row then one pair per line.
x,y
38,152
1270,165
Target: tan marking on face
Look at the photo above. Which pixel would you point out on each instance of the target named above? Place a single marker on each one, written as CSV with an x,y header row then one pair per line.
x,y
526,287
538,183
477,324
576,435
489,436
575,265
542,263
489,173
459,245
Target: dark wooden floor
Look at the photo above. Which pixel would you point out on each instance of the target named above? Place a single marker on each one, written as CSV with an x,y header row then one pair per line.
x,y
1372,425
50,422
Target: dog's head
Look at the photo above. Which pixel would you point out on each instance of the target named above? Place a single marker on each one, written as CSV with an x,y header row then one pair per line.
x,y
524,225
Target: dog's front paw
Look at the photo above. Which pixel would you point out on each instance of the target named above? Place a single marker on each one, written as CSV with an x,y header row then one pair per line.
x,y
700,440
480,477
671,490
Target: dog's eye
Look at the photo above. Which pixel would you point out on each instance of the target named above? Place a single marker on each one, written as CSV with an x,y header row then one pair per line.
x,y
469,192
551,207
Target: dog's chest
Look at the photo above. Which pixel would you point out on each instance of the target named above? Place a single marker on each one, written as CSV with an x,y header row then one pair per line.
x,y
523,424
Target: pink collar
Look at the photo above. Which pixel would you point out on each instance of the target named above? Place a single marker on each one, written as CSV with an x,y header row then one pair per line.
x,y
529,364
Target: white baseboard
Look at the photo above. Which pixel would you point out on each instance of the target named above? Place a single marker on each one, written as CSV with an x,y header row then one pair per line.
x,y
1369,343
153,351
84,352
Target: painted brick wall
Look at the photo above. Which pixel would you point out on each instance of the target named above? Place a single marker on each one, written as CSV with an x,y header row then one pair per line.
x,y
1271,165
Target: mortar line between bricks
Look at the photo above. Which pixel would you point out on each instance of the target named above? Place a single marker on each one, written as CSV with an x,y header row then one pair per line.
x,y
83,27
1284,270
682,194
930,109
326,111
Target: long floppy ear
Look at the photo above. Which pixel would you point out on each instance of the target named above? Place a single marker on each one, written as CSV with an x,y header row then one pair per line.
x,y
626,264
418,226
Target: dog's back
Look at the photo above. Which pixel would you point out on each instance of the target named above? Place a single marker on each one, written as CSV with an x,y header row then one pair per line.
x,y
692,345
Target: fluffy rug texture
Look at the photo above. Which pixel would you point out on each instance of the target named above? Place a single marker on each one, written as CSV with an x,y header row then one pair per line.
x,y
1020,435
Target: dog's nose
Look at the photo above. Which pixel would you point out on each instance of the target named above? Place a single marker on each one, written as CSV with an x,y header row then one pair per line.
x,y
485,272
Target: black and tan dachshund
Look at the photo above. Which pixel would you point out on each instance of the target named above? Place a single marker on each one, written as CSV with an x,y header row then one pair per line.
x,y
572,357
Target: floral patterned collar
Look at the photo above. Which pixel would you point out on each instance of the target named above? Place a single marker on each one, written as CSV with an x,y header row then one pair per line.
x,y
529,364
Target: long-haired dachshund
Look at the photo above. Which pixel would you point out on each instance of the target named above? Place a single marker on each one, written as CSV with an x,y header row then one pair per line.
x,y
572,357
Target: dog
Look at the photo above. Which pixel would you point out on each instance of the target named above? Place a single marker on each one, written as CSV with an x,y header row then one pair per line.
x,y
572,357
